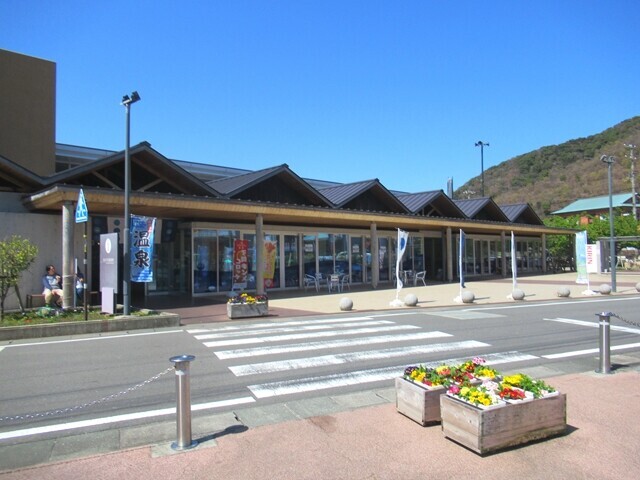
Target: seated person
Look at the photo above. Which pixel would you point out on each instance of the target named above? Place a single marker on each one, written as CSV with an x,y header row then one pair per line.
x,y
80,286
52,284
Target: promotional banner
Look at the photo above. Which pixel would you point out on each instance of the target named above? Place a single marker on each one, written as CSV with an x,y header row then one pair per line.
x,y
142,231
403,237
461,258
270,252
240,264
514,262
581,257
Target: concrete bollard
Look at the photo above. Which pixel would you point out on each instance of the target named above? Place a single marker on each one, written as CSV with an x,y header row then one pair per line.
x,y
605,339
183,397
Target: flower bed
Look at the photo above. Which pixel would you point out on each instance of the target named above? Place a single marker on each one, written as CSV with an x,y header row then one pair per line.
x,y
245,306
471,382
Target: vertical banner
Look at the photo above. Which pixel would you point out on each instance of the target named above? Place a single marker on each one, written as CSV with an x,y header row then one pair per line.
x,y
142,231
402,246
514,262
461,258
270,252
581,257
240,264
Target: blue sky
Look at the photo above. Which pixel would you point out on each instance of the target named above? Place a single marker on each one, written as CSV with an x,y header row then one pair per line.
x,y
338,90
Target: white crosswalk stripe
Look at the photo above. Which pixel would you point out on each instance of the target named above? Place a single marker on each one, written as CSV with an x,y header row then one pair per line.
x,y
288,387
297,328
310,346
342,358
300,336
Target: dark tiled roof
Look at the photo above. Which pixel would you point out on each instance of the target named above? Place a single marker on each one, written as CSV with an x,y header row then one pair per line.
x,y
521,213
147,165
481,209
232,185
348,194
16,177
435,200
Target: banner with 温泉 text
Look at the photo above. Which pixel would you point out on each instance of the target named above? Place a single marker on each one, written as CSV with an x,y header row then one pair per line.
x,y
581,257
240,263
141,251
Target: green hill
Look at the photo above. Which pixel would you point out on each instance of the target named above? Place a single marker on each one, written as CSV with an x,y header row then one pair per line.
x,y
551,177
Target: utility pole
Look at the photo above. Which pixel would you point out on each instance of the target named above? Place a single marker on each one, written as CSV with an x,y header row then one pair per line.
x,y
633,176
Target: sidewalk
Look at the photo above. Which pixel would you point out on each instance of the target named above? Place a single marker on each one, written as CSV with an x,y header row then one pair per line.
x,y
375,442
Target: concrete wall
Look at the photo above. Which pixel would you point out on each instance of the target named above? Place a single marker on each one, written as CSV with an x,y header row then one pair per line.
x,y
27,111
44,231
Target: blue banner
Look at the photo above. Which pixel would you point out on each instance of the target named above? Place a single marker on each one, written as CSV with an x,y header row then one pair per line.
x,y
142,233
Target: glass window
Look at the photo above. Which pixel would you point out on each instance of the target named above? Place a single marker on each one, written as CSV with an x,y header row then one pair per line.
x,y
309,255
356,259
325,253
291,261
205,261
383,256
341,245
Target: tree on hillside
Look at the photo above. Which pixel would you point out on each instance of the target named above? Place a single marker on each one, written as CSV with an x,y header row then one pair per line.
x,y
16,255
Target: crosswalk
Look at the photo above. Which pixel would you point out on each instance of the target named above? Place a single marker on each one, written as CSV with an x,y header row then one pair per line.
x,y
278,351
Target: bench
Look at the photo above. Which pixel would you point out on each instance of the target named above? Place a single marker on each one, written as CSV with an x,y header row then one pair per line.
x,y
35,300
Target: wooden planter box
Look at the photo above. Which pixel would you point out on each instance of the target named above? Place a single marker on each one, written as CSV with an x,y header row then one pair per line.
x,y
504,426
419,403
245,310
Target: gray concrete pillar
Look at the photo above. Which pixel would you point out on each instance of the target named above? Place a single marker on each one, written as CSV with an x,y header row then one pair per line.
x,y
68,275
544,253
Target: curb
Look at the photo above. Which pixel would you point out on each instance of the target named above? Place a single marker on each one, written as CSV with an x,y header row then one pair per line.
x,y
121,323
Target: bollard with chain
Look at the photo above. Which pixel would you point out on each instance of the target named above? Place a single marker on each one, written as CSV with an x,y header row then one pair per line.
x,y
605,342
183,395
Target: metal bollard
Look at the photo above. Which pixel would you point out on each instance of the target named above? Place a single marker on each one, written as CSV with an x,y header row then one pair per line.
x,y
183,395
605,343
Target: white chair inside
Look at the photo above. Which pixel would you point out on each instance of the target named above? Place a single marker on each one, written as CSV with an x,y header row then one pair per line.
x,y
346,281
310,280
334,282
420,278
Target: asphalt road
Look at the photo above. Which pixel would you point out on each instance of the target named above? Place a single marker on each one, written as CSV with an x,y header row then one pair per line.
x,y
118,379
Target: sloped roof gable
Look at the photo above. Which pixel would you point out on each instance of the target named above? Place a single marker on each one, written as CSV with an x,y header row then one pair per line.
x,y
276,184
369,195
431,204
16,178
150,172
521,213
482,209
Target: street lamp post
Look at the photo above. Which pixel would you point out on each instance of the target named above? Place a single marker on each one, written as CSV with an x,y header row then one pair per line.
x,y
482,144
631,148
127,101
609,160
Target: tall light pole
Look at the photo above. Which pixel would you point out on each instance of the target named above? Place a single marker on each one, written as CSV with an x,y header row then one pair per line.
x,y
127,101
482,144
633,177
609,160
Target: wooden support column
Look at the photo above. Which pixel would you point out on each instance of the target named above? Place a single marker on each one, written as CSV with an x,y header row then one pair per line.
x,y
448,248
503,239
544,253
375,262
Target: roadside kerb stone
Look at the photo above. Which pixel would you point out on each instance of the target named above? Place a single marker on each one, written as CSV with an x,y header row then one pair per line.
x,y
118,324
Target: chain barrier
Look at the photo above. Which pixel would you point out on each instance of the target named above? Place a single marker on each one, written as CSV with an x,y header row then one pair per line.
x,y
635,324
76,408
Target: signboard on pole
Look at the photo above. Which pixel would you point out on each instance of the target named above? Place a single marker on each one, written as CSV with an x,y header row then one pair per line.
x,y
82,213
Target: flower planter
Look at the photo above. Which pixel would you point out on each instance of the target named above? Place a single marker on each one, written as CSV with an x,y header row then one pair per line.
x,y
487,430
420,403
246,310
